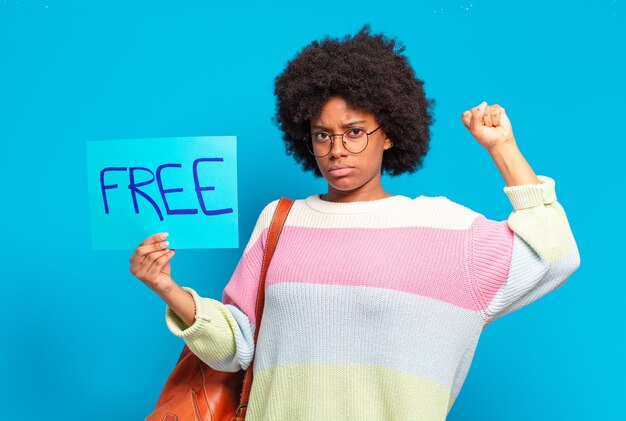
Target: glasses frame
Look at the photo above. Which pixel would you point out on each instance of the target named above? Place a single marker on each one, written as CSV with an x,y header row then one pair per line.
x,y
332,140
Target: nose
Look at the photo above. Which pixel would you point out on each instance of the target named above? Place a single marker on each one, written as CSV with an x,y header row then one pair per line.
x,y
337,149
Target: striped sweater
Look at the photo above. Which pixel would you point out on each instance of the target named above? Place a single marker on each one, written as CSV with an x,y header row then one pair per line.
x,y
374,309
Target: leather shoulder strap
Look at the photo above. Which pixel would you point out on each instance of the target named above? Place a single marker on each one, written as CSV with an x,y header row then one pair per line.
x,y
275,228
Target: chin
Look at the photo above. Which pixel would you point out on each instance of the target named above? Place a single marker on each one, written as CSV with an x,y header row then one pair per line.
x,y
345,186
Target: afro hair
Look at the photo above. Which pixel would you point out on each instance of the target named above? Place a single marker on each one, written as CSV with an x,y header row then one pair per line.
x,y
371,74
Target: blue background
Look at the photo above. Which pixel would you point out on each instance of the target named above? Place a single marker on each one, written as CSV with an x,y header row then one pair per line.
x,y
84,339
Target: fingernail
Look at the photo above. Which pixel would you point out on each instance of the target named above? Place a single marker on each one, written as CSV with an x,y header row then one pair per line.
x,y
482,105
164,235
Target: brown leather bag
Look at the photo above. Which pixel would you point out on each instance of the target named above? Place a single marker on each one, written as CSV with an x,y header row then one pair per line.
x,y
194,390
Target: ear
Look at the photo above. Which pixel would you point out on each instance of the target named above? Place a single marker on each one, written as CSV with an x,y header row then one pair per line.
x,y
387,143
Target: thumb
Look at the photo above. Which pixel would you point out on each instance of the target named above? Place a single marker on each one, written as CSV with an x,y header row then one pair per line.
x,y
478,113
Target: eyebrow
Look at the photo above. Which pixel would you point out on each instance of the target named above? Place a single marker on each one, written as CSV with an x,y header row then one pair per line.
x,y
352,123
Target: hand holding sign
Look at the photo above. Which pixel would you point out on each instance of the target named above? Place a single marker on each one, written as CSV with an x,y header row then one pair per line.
x,y
150,263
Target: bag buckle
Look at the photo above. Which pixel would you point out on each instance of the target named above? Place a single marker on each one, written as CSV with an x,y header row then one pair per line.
x,y
242,406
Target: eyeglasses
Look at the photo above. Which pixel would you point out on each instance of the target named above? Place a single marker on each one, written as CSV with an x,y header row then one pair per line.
x,y
355,140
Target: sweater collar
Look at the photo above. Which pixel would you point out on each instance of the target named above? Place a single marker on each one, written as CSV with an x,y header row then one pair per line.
x,y
315,202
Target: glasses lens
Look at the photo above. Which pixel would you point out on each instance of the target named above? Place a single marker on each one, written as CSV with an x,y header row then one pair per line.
x,y
355,140
318,143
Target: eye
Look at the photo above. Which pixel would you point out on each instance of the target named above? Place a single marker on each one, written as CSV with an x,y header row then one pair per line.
x,y
355,133
320,136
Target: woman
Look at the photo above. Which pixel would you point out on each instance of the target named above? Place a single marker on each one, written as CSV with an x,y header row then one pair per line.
x,y
374,302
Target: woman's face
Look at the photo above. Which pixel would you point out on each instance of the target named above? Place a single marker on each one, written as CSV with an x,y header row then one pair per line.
x,y
363,172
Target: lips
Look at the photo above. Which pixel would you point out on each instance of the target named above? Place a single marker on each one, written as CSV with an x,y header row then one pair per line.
x,y
340,170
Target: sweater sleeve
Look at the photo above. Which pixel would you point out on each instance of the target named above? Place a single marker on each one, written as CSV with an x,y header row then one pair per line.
x,y
222,334
519,260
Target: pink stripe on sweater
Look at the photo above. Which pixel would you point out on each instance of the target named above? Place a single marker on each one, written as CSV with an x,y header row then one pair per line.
x,y
493,249
419,260
241,290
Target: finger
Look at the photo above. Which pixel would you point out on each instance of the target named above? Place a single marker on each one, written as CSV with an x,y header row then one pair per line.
x,y
152,257
149,248
142,250
137,264
477,115
155,238
140,267
159,263
487,117
143,269
504,118
496,111
136,257
466,117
